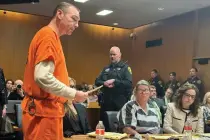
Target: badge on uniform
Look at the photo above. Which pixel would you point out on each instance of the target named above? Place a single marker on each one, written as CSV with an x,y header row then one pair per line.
x,y
31,107
160,83
129,69
118,68
107,70
199,81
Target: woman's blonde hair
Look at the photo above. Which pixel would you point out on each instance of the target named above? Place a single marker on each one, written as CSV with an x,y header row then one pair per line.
x,y
205,98
141,82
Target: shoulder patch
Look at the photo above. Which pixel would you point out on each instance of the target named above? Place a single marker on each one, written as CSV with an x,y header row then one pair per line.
x,y
129,69
178,84
199,81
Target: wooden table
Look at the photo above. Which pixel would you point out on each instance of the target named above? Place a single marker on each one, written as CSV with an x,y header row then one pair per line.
x,y
86,137
79,137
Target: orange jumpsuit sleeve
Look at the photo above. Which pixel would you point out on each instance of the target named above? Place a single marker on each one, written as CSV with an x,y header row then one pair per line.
x,y
46,49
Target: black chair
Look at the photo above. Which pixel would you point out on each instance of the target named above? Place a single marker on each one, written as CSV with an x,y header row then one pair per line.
x,y
7,137
111,121
18,113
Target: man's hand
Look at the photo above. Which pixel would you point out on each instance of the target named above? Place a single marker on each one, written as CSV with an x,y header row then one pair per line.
x,y
111,86
109,83
4,112
20,92
80,96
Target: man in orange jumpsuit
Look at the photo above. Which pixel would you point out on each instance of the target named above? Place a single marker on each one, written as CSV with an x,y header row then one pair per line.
x,y
46,80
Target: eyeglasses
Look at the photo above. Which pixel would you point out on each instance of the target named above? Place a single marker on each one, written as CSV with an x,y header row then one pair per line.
x,y
143,90
189,96
169,92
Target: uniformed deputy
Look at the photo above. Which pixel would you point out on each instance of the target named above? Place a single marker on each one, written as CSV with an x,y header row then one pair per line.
x,y
173,83
117,81
157,82
194,79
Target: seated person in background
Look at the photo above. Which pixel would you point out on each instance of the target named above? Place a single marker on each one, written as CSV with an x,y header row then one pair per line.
x,y
155,102
173,83
137,116
17,93
9,86
84,86
75,120
165,101
167,97
72,82
90,87
206,112
93,97
185,107
153,96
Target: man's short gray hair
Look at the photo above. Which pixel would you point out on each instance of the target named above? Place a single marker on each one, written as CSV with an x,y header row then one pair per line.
x,y
63,6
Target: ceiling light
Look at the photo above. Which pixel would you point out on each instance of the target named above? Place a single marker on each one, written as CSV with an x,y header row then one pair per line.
x,y
81,1
160,8
104,12
115,24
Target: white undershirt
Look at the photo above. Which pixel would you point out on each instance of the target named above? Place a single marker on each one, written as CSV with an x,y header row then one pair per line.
x,y
43,76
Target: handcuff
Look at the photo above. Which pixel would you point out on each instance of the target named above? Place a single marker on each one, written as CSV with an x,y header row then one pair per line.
x,y
31,107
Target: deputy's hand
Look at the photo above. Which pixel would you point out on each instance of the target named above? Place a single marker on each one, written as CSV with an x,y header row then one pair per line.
x,y
110,81
81,96
106,84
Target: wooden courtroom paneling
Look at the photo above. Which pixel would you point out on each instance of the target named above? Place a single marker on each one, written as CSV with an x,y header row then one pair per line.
x,y
202,49
86,51
174,55
17,30
203,35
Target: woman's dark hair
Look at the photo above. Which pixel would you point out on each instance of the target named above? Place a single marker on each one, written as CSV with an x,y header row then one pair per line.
x,y
180,93
9,80
196,70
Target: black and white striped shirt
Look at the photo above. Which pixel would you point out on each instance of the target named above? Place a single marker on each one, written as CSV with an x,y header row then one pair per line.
x,y
132,115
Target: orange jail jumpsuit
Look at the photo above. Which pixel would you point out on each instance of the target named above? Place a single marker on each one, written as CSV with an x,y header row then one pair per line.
x,y
45,54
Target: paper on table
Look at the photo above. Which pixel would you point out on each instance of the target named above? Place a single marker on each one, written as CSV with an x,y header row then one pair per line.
x,y
159,137
110,135
164,137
